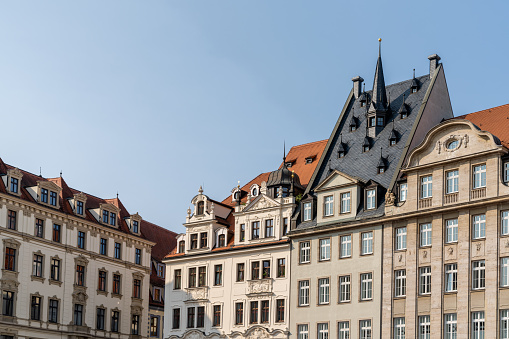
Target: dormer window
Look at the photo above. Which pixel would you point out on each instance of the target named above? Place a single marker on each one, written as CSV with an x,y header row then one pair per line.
x,y
353,128
79,207
14,185
201,207
365,148
182,246
53,198
113,218
363,103
106,214
392,142
254,191
341,154
380,121
136,228
307,211
381,170
371,199
289,163
372,122
222,240
404,115
44,195
413,90
309,160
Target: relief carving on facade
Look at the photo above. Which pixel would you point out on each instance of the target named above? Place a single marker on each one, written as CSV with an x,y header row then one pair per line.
x,y
260,286
389,198
79,296
258,333
197,293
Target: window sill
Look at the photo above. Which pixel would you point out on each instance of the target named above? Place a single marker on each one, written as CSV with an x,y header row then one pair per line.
x,y
55,282
399,297
366,254
324,304
99,292
115,295
400,250
344,302
450,292
365,300
302,305
305,263
348,257
324,260
36,278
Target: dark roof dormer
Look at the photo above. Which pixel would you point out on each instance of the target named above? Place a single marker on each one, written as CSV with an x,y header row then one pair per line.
x,y
353,123
363,98
414,87
382,163
366,145
393,137
403,110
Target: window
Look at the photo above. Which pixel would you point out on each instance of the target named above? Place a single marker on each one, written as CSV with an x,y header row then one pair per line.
x,y
505,222
103,246
53,198
372,122
366,286
10,259
264,316
504,267
479,176
324,249
400,283
305,249
101,286
116,284
136,227
157,294
39,228
478,274
425,280
160,270
403,192
424,327
365,148
365,329
239,313
8,303
451,230
154,326
307,211
367,243
253,317
81,239
53,311
192,277
328,209
203,240
280,310
44,195
425,230
176,318
323,291
426,187
56,233
222,240
200,316
303,331
345,202
269,228
135,324
281,268
451,277
504,324
118,251
478,325
344,330
216,320
80,275
399,328
55,269
242,234
304,293
113,218
218,275
240,271
35,308
11,222
37,266
451,326
379,121
400,238
506,172
346,246
177,279
201,208
182,246
255,270
78,314
115,319
370,199
323,331
137,257
344,288
479,226
194,241
79,207
451,182
105,216
137,288
100,318
256,230
14,185
266,269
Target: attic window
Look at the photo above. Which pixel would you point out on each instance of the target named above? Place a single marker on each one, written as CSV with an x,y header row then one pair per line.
x,y
289,164
254,191
201,207
79,207
341,154
363,103
413,90
309,160
379,121
381,170
371,199
14,185
353,128
392,142
135,226
372,122
182,246
365,148
404,115
222,240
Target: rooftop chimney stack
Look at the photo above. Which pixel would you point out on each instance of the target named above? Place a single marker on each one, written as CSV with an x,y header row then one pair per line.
x,y
357,84
433,64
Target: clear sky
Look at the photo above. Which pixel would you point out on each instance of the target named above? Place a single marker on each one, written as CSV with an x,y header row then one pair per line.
x,y
155,98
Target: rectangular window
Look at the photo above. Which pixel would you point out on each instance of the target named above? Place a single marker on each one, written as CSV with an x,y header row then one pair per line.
x,y
478,325
328,206
304,293
303,331
194,241
451,183
399,328
253,317
451,326
8,303
426,187
240,271
269,228
451,230
105,216
55,269
116,284
78,314
113,218
200,317
266,269
255,230
79,207
365,329
135,324
101,286
307,211
479,176
425,280
39,228
479,231
345,202
370,199
216,320
478,275
202,276
505,222
242,235
137,257
137,288
324,249
10,259
504,268
424,327
239,313
366,286
255,270
44,195
115,319
504,324
176,318
401,238
35,308
56,233
403,192
80,275
506,172
157,293
100,319
425,234
218,275
346,246
451,277
367,243
281,268
154,326
103,246
118,251
136,226
203,239
305,248
323,291
344,288
14,185
177,279
400,283
280,310
190,317
81,240
343,330
53,311
37,266
11,222
323,331
53,198
264,316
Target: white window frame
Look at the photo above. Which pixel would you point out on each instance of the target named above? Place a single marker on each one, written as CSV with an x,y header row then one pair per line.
x,y
367,243
505,223
365,329
425,231
504,324
346,246
451,277
479,176
424,327
506,171
366,286
323,330
345,291
345,202
479,226
478,275
305,252
400,283
324,249
399,328
425,280
371,199
426,187
403,192
323,291
304,293
451,326
400,238
344,330
478,325
504,272
307,211
303,331
328,206
451,181
451,230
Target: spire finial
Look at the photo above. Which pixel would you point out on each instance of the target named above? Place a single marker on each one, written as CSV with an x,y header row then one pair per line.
x,y
284,151
379,46
341,137
117,194
60,173
414,73
403,98
40,171
364,87
381,155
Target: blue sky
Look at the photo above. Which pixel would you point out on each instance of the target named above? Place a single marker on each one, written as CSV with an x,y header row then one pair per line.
x,y
155,98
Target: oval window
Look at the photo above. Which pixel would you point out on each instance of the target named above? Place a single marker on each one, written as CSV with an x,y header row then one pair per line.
x,y
453,144
255,192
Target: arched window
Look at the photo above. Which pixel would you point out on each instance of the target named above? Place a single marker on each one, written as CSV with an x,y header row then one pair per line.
x,y
182,246
254,192
201,208
236,195
222,240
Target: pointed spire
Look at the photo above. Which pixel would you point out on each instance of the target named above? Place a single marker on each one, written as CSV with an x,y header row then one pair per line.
x,y
403,111
284,153
379,97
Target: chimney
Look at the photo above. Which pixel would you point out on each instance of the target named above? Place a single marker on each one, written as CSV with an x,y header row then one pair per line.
x,y
433,64
357,84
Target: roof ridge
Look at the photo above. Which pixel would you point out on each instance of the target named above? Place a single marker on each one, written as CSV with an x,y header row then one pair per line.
x,y
309,143
165,229
482,110
400,82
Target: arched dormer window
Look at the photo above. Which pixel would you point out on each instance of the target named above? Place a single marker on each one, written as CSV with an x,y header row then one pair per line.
x,y
255,190
200,208
182,246
222,240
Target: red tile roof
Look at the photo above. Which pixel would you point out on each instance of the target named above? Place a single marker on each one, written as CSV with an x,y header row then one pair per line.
x,y
165,240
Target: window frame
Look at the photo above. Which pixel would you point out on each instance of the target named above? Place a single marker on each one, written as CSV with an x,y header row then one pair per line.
x,y
345,252
425,234
451,277
451,231
479,176
452,182
426,186
324,249
303,250
328,205
345,200
369,248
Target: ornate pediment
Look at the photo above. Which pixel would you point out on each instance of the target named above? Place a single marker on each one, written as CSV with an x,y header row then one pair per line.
x,y
79,296
335,180
262,202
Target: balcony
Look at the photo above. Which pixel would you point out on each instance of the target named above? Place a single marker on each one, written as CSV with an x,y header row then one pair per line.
x,y
425,203
451,198
478,193
197,293
259,286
